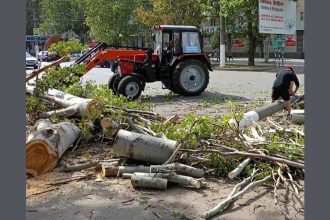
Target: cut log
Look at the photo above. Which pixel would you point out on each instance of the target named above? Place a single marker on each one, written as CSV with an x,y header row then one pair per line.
x,y
178,168
143,147
46,145
181,180
108,169
261,113
109,127
239,168
148,182
130,169
73,105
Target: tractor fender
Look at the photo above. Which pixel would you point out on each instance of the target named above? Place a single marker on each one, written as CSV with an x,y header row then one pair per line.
x,y
142,78
201,57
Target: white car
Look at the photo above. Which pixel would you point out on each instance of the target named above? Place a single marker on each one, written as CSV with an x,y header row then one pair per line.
x,y
31,61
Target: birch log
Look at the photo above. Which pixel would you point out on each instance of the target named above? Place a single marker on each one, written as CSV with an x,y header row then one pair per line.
x,y
46,145
143,147
73,105
175,178
148,182
130,169
239,168
178,168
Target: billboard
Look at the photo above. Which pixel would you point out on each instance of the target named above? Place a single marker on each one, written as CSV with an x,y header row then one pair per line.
x,y
277,16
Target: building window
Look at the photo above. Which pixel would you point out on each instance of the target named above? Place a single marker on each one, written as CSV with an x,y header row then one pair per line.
x,y
213,22
301,16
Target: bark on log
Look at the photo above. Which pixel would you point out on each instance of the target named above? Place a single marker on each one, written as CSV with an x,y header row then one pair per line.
x,y
108,169
178,168
129,169
37,72
181,180
239,168
143,147
82,107
148,182
261,113
46,145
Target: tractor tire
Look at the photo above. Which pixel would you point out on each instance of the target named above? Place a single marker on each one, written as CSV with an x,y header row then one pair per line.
x,y
130,87
113,83
190,78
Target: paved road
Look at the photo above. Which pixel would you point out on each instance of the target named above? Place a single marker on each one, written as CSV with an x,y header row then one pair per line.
x,y
224,84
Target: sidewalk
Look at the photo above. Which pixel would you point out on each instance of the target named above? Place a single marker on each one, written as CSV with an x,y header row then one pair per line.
x,y
241,64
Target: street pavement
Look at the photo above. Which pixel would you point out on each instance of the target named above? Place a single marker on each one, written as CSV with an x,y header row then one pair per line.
x,y
245,83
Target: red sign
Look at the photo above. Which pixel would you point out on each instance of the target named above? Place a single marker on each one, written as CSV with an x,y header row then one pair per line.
x,y
238,43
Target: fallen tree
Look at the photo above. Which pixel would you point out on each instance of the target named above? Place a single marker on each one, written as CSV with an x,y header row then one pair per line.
x,y
250,117
46,145
73,105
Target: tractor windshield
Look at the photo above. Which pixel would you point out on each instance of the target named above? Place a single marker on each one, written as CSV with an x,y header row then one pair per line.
x,y
190,42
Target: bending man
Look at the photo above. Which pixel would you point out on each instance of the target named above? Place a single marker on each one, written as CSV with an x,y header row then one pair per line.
x,y
283,86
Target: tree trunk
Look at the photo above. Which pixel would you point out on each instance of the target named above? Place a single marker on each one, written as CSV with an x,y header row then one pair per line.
x,y
148,182
261,113
222,41
46,145
143,147
252,40
73,104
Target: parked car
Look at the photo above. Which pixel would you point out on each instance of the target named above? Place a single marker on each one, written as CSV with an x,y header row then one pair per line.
x,y
31,61
48,56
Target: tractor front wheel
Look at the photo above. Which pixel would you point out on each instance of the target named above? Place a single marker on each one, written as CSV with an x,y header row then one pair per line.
x,y
130,87
190,78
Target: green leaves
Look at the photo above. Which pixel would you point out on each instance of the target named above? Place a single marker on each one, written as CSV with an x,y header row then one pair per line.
x,y
64,48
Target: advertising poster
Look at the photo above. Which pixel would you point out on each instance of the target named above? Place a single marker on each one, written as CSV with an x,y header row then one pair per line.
x,y
277,16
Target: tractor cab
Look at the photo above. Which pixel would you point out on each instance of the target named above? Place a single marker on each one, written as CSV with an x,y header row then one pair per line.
x,y
179,39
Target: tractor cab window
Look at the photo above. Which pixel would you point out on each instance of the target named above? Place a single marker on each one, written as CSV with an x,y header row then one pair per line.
x,y
176,39
158,42
166,39
190,42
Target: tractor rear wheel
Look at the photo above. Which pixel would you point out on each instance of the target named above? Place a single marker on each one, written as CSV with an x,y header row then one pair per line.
x,y
190,78
113,83
130,87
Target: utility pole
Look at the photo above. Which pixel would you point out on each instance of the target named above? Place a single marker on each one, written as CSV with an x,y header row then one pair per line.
x,y
222,40
35,24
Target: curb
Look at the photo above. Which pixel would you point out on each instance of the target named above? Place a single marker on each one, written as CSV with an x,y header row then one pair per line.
x,y
245,69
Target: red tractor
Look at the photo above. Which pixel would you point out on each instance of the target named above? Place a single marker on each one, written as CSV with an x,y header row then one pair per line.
x,y
177,61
